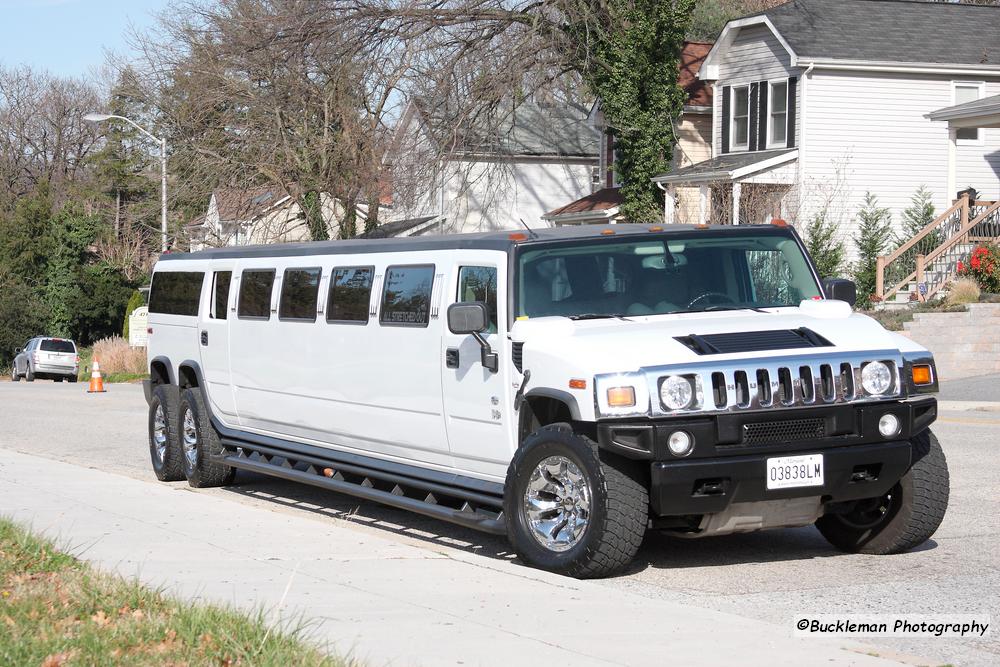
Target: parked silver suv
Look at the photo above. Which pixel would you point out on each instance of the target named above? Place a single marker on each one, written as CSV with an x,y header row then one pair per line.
x,y
54,358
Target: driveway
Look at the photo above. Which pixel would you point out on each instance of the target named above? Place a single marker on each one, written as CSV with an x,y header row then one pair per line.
x,y
757,583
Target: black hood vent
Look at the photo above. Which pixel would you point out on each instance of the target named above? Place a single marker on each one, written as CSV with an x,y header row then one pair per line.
x,y
753,341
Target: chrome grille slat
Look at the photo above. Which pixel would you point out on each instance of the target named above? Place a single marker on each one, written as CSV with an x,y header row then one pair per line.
x,y
805,392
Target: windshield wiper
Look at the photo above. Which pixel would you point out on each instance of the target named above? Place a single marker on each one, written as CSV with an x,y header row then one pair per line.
x,y
716,309
598,316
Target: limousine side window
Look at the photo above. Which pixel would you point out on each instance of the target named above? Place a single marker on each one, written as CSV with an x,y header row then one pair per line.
x,y
406,297
479,283
299,289
220,294
350,294
176,292
255,294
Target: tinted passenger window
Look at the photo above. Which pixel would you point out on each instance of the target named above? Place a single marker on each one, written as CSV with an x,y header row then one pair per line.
x,y
350,294
299,289
175,292
406,299
479,283
255,294
220,294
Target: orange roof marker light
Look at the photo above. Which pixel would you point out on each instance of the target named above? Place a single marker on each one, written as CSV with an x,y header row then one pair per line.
x,y
656,228
518,236
701,226
778,222
607,232
577,384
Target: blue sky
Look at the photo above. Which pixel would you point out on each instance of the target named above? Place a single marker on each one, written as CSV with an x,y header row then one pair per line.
x,y
68,37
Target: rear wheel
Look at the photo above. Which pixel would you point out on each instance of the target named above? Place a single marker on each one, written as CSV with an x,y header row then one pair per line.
x,y
905,517
570,507
201,444
71,378
164,445
58,378
29,374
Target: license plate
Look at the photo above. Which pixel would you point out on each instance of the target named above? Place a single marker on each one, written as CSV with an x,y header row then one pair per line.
x,y
787,472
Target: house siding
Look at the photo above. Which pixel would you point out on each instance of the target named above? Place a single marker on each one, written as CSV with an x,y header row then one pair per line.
x,y
755,55
867,132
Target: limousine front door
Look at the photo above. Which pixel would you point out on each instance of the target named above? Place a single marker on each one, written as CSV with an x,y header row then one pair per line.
x,y
213,341
477,409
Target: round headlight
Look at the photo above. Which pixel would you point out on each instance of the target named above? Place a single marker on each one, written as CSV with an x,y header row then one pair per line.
x,y
876,378
676,392
888,425
680,443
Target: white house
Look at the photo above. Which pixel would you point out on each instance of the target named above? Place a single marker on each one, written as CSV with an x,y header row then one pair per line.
x,y
818,102
530,160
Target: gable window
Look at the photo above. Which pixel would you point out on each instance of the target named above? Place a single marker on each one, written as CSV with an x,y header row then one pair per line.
x,y
968,91
777,114
740,118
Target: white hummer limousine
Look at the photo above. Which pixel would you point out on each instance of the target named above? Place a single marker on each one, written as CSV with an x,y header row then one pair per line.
x,y
570,388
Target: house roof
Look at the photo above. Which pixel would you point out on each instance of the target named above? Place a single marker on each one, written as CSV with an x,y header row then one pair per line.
x,y
397,228
599,203
729,166
692,56
906,31
237,204
552,130
984,112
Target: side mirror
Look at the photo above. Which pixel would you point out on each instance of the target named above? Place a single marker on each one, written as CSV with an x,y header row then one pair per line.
x,y
467,317
841,289
472,318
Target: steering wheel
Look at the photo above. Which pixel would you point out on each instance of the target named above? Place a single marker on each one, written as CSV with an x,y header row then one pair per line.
x,y
707,295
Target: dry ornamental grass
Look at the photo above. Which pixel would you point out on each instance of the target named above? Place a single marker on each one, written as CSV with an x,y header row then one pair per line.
x,y
116,356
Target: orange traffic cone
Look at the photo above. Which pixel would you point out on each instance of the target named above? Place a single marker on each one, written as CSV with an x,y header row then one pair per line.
x,y
96,381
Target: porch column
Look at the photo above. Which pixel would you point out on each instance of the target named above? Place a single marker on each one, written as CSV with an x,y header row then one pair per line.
x,y
952,162
702,204
737,192
670,205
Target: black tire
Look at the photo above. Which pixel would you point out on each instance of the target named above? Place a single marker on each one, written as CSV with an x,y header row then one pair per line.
x,y
71,378
58,378
204,470
167,457
29,375
618,512
903,519
14,377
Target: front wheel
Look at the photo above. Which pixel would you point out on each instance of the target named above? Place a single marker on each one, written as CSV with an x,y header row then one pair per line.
x,y
570,508
201,444
903,518
14,377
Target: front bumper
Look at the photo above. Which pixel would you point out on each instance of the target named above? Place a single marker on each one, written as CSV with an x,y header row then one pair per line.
x,y
728,462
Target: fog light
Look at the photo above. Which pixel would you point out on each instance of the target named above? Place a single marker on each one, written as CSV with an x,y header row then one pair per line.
x,y
888,425
676,392
680,443
876,378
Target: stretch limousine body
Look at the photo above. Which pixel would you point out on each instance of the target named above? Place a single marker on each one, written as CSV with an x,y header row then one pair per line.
x,y
570,388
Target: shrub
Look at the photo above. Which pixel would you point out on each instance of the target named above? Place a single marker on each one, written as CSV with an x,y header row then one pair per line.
x,y
116,356
873,239
963,290
134,301
983,267
826,250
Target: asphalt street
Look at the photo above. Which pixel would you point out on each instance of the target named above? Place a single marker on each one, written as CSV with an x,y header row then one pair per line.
x,y
776,576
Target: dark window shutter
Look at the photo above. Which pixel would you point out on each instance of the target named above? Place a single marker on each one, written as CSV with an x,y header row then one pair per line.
x,y
764,116
726,94
792,87
754,115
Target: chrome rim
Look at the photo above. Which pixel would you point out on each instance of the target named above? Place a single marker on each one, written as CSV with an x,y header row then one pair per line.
x,y
557,503
159,433
190,436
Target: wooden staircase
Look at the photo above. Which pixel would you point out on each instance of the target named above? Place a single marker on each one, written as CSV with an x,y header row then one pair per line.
x,y
920,268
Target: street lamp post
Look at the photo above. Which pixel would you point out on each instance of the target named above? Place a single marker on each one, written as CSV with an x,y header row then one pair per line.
x,y
101,117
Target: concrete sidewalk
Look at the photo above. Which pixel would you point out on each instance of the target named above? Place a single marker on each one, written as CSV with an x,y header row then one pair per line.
x,y
383,601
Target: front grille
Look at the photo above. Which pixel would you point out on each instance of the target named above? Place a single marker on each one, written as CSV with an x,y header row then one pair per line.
x,y
788,430
516,351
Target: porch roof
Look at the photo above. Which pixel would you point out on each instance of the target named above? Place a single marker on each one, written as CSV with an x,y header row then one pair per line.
x,y
984,112
729,167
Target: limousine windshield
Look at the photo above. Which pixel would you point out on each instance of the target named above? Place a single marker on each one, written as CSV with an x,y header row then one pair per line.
x,y
683,274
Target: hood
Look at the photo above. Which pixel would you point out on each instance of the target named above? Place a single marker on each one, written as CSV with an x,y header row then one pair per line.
x,y
628,344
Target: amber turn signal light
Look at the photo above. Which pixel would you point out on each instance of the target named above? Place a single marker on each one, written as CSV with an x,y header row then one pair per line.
x,y
621,397
921,374
577,384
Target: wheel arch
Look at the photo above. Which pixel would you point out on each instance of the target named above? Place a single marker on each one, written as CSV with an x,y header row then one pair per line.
x,y
542,407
